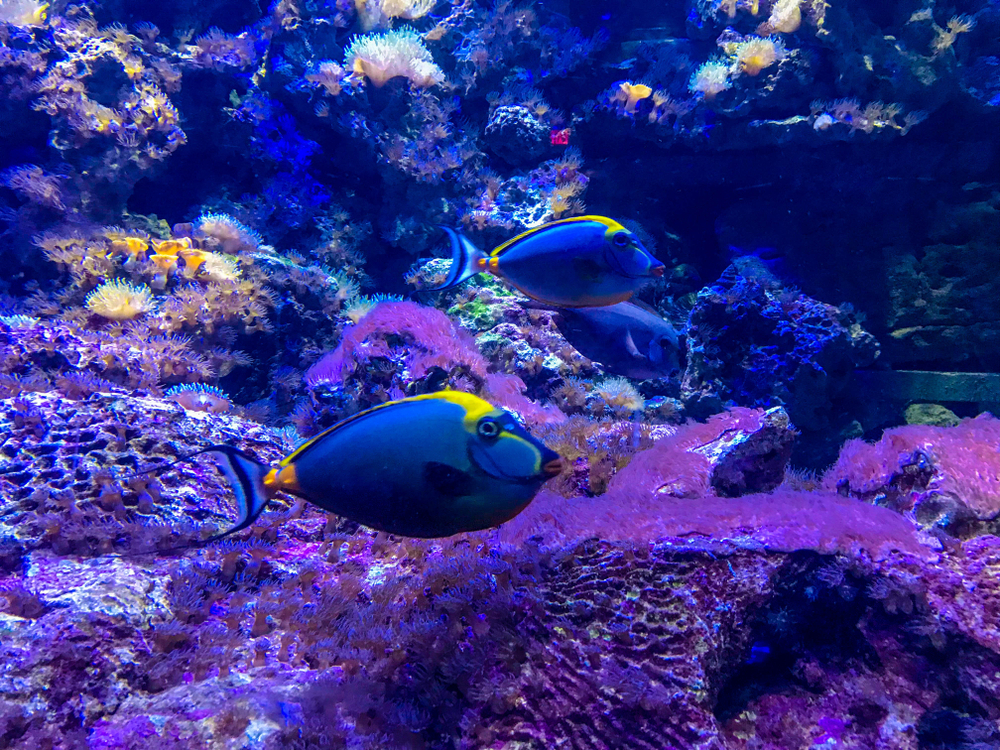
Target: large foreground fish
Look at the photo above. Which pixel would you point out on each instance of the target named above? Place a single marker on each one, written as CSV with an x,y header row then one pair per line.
x,y
626,339
586,261
426,466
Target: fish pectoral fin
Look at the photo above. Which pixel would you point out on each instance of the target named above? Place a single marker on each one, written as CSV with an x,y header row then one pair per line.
x,y
587,269
447,479
630,345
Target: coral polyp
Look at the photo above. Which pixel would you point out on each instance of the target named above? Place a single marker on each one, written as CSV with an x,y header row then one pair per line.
x,y
119,300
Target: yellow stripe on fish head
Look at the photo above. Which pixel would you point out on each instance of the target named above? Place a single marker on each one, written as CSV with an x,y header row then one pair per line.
x,y
475,407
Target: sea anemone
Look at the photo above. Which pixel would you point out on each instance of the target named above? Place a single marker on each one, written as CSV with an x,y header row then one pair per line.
x,y
620,395
232,236
756,53
400,52
786,16
218,267
200,397
119,300
710,79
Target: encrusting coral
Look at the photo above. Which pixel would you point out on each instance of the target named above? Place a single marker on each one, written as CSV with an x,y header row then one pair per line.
x,y
650,609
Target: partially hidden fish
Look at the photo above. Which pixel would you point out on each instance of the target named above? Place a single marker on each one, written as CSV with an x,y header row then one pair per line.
x,y
585,261
426,466
625,339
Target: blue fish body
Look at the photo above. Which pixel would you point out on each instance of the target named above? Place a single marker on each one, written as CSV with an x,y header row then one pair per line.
x,y
586,261
626,339
426,466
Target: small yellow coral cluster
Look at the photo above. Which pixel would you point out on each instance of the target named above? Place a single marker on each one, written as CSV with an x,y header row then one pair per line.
x,y
629,94
140,122
745,56
198,275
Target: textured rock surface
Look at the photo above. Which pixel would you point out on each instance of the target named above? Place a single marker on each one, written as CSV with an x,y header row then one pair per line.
x,y
638,619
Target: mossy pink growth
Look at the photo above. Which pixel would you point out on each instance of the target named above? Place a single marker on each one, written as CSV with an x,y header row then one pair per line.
x,y
432,341
665,493
964,462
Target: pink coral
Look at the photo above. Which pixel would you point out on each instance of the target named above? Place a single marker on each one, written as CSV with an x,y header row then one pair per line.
x,y
431,340
963,462
666,492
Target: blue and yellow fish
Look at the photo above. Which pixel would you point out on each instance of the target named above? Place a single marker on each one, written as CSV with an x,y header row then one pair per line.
x,y
426,466
586,261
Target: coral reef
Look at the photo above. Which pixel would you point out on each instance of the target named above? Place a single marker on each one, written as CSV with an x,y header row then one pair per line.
x,y
640,618
210,213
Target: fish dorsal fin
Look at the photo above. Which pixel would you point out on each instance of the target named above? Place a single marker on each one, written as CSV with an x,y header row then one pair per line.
x,y
609,223
647,307
473,405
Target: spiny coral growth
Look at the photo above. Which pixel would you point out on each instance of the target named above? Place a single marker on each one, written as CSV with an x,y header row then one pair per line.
x,y
200,397
872,117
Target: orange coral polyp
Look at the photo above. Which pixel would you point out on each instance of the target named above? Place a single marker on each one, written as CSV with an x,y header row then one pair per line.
x,y
634,93
192,260
171,247
132,246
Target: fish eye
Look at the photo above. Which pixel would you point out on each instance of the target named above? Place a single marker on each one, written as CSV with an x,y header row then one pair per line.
x,y
488,428
620,239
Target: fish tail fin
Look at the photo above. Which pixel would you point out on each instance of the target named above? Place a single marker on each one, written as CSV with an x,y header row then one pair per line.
x,y
465,258
246,477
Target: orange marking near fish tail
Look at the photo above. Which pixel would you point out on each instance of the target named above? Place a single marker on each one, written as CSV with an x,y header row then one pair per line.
x,y
488,265
282,478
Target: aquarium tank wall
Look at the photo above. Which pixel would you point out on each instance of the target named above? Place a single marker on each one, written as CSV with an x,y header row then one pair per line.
x,y
500,375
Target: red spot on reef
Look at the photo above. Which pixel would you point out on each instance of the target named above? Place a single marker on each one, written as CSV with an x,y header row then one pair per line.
x,y
559,137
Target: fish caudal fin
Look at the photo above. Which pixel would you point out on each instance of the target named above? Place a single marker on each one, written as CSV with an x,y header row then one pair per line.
x,y
465,260
246,476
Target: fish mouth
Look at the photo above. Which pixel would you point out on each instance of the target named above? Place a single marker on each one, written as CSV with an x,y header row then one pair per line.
x,y
553,468
616,266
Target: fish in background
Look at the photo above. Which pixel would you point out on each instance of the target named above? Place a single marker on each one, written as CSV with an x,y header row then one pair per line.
x,y
628,338
426,466
585,261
